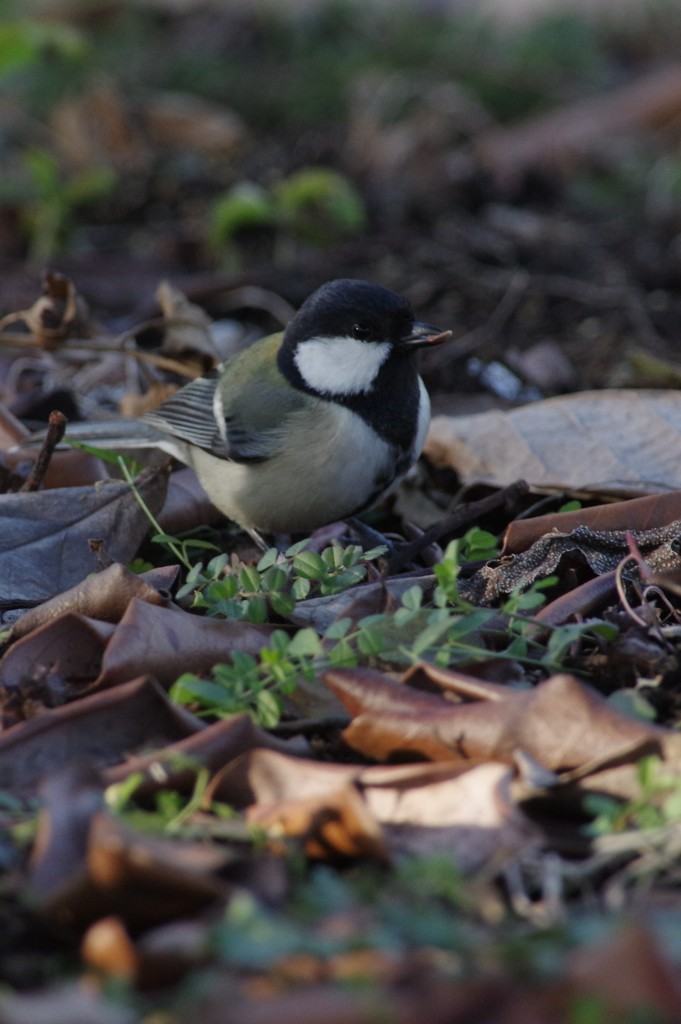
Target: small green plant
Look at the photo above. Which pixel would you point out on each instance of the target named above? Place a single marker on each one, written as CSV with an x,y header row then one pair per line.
x,y
173,811
244,207
477,546
277,582
26,42
657,805
315,205
445,630
421,902
178,548
318,206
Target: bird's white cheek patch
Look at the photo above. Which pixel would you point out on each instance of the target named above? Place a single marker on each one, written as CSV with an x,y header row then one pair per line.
x,y
340,366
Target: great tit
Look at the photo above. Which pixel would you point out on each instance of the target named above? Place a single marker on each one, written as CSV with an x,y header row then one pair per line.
x,y
306,427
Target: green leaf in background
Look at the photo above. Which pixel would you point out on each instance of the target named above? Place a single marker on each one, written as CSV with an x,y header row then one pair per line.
x,y
319,205
23,42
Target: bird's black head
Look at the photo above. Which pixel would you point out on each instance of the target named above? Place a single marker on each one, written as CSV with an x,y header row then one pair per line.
x,y
351,309
353,343
348,336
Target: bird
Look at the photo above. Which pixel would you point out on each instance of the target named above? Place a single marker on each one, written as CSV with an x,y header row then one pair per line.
x,y
305,427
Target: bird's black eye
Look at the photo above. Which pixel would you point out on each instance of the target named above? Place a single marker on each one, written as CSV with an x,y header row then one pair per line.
x,y
361,330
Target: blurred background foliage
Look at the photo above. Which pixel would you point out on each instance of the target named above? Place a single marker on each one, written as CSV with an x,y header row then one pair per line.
x,y
98,128
282,144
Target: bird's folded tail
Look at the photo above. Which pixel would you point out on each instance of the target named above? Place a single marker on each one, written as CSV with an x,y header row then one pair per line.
x,y
111,435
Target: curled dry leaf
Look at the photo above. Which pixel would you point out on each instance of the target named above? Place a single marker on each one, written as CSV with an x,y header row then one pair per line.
x,y
51,665
622,442
562,724
104,596
86,865
95,128
363,599
58,314
186,327
581,601
71,654
268,778
108,948
159,958
427,810
65,468
133,404
337,825
601,552
191,124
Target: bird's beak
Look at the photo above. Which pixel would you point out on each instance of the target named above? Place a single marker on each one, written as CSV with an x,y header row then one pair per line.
x,y
424,334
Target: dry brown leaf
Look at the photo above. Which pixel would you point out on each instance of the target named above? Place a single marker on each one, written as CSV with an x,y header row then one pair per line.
x,y
216,746
100,729
580,602
623,442
469,815
266,779
639,514
94,129
357,602
49,539
351,810
161,957
187,505
133,404
561,723
108,948
186,331
103,596
73,654
335,825
581,549
65,469
164,642
51,665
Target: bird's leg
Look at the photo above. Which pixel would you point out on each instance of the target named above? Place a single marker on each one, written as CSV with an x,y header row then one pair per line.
x,y
369,537
258,539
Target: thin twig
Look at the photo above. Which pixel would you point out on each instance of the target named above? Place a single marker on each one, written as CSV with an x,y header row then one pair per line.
x,y
456,520
56,427
109,348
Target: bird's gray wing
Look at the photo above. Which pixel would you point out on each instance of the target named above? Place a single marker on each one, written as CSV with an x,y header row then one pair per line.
x,y
246,424
189,414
